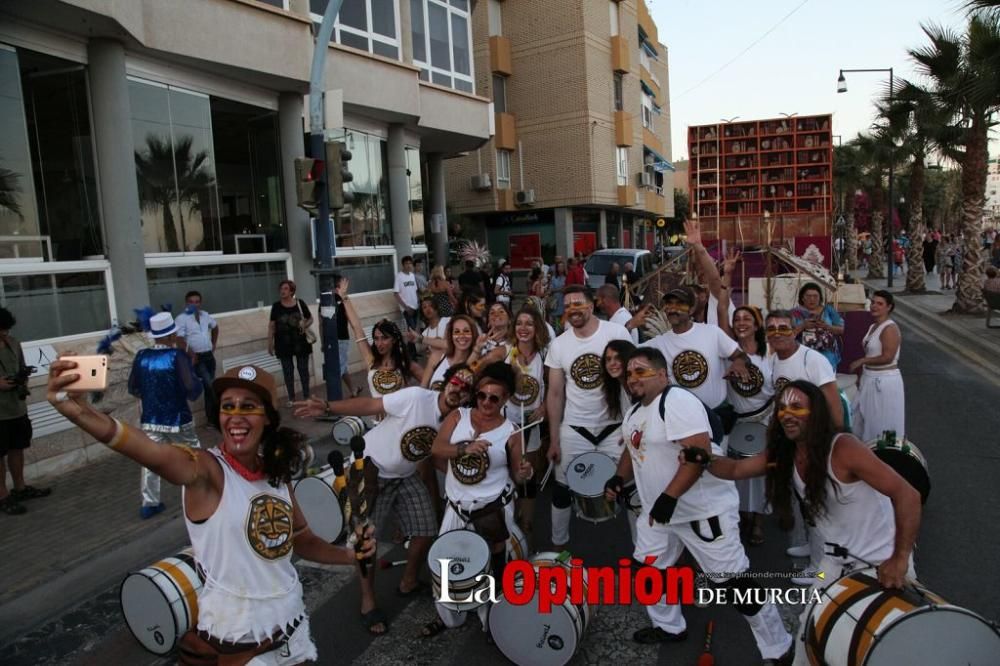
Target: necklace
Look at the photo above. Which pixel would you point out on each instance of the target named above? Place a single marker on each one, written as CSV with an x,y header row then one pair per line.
x,y
240,469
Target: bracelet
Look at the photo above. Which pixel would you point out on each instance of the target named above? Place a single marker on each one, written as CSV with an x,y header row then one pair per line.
x,y
461,449
120,436
326,410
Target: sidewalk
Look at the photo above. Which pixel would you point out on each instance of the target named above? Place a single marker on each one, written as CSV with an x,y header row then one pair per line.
x,y
88,534
928,313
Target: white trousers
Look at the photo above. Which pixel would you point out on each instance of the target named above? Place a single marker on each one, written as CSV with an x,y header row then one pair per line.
x,y
879,405
149,487
298,650
571,445
723,554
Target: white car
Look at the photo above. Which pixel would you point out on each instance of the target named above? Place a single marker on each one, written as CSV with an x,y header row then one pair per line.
x,y
599,264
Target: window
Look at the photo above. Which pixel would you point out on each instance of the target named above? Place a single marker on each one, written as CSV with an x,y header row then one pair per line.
x,y
52,305
224,287
499,94
414,178
503,169
495,17
175,169
619,91
365,221
622,165
442,38
647,112
368,25
370,273
613,8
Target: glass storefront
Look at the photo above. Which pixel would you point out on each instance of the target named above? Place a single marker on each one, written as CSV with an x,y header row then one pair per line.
x,y
223,287
51,305
414,177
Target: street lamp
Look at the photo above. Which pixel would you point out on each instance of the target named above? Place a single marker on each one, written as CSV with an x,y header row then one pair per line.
x,y
842,88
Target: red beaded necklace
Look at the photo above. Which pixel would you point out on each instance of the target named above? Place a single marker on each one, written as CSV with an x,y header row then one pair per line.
x,y
240,469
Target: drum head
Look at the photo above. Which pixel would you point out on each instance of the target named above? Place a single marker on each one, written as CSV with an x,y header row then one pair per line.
x,y
937,635
320,507
526,636
469,554
587,473
748,439
149,613
346,428
909,466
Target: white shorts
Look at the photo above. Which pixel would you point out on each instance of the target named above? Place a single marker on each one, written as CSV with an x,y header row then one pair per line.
x,y
299,648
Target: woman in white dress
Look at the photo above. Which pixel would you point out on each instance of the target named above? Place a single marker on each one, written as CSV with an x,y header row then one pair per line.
x,y
880,405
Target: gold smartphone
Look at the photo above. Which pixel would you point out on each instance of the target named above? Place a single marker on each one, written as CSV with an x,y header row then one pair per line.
x,y
93,371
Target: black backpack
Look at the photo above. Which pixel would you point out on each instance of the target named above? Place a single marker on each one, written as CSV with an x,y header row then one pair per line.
x,y
718,431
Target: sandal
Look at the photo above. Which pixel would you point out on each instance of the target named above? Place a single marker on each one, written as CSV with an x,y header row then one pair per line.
x,y
29,492
372,619
757,536
10,506
433,628
654,635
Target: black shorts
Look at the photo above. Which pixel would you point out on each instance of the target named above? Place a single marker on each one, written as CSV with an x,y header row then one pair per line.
x,y
15,434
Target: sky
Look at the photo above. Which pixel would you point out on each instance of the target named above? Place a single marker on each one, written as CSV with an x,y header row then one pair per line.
x,y
794,68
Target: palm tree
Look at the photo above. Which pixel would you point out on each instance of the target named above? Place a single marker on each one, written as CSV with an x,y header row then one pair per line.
x,y
989,9
9,190
965,73
848,175
172,176
874,153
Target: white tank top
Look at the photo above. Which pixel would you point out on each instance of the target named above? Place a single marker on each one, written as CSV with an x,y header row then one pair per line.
x,y
530,386
478,479
857,516
437,377
251,588
383,382
873,344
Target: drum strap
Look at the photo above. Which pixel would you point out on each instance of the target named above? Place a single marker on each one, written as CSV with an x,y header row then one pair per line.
x,y
713,524
596,440
504,499
756,412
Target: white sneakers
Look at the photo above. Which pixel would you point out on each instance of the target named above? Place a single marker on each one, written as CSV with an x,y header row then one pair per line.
x,y
798,551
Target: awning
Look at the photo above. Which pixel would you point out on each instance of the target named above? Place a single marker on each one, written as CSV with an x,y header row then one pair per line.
x,y
660,163
646,89
644,42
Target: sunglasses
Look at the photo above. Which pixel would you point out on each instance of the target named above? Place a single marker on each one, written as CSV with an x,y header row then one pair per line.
x,y
677,307
794,412
240,410
492,397
784,331
641,373
461,384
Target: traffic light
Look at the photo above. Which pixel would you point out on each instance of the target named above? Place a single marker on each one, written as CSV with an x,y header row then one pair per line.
x,y
337,156
308,173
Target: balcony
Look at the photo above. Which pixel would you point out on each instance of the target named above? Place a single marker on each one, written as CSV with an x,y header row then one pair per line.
x,y
652,141
500,56
619,54
506,128
505,199
626,195
623,128
656,203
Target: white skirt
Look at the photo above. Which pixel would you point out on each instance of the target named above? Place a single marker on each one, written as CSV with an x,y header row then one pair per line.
x,y
879,405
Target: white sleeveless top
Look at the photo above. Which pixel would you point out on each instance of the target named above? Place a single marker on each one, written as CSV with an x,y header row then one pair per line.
x,y
244,549
530,386
857,516
478,480
873,344
383,382
437,377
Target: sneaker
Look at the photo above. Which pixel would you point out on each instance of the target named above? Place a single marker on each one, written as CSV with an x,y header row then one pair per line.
x,y
798,551
804,578
29,492
148,511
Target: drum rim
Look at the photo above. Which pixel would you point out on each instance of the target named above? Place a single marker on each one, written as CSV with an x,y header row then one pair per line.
x,y
340,508
578,623
920,610
460,529
569,469
180,595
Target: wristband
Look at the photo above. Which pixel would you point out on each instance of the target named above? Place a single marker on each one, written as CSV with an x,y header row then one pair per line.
x,y
697,455
120,436
615,483
663,508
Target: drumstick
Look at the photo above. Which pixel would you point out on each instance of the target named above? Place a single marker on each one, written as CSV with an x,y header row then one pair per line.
x,y
386,564
706,658
358,496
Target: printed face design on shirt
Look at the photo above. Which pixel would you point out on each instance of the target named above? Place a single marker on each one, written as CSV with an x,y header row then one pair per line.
x,y
387,381
690,369
752,386
780,383
416,443
269,526
436,386
527,391
471,468
586,372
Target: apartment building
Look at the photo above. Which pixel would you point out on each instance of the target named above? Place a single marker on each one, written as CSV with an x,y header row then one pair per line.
x,y
579,159
147,150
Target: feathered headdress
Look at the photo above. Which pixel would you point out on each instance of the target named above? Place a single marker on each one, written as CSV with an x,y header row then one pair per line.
x,y
474,252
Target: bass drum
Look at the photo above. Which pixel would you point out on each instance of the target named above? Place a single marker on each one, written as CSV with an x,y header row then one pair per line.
x,y
160,602
320,505
856,622
469,556
903,456
529,637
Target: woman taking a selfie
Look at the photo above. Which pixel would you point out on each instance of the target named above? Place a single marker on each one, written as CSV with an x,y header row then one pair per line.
x,y
240,513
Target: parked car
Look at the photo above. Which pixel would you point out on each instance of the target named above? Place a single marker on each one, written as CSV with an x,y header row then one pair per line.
x,y
599,263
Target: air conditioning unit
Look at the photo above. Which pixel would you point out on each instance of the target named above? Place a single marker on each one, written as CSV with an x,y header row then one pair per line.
x,y
525,197
481,182
645,179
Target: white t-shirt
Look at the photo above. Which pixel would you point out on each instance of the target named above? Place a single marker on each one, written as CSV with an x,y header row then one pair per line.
x,y
580,361
623,316
712,314
805,363
437,331
695,360
406,287
653,444
748,397
501,288
405,435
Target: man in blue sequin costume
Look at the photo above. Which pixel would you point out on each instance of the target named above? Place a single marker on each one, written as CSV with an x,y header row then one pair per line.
x,y
163,379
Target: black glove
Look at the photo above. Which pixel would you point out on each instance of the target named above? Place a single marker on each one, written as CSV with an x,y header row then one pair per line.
x,y
663,508
697,455
615,483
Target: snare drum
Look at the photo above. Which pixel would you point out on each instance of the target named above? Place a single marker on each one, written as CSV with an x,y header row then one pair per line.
x,y
320,505
348,427
469,557
160,602
517,544
747,439
904,457
858,623
586,475
528,637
